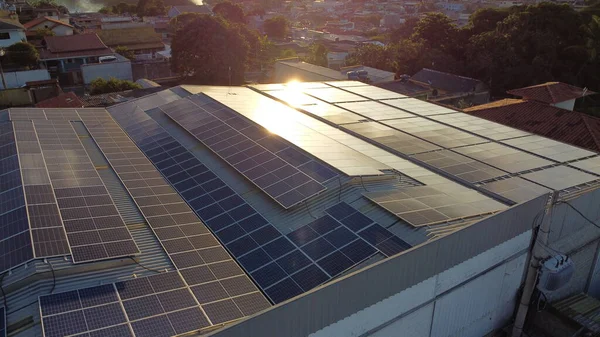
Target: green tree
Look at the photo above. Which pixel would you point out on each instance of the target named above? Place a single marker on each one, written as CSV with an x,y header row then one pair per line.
x,y
44,4
318,54
435,30
102,86
125,52
23,54
230,12
41,33
105,10
405,30
151,8
277,27
287,53
182,20
486,20
209,50
375,56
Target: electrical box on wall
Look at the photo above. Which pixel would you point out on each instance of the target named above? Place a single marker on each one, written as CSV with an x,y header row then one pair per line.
x,y
555,273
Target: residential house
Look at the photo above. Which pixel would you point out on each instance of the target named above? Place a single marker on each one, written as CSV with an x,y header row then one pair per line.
x,y
143,41
557,94
451,6
200,9
407,87
59,28
391,20
87,21
64,56
450,89
11,30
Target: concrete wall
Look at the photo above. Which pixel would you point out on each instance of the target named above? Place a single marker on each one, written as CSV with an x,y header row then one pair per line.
x,y
15,97
120,69
15,36
18,79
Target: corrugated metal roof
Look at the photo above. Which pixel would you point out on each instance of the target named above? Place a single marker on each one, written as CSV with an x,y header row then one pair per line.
x,y
582,309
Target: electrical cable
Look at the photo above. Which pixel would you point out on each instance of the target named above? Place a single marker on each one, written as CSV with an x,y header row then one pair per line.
x,y
308,210
141,265
363,184
578,212
53,278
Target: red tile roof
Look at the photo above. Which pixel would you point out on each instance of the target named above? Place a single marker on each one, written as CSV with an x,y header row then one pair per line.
x,y
79,45
37,21
551,92
68,100
567,126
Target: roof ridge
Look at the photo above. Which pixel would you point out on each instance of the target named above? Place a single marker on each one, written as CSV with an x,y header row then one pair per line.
x,y
585,118
550,93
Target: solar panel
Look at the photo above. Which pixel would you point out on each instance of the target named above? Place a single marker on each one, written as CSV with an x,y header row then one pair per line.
x,y
188,242
516,189
549,148
25,114
459,165
157,305
316,107
15,241
47,231
248,149
373,92
344,84
503,157
479,126
375,110
424,205
591,165
2,322
394,139
94,227
419,107
439,134
327,143
333,95
560,177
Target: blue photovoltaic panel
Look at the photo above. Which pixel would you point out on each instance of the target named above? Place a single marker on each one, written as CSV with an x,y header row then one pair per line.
x,y
250,149
15,237
201,259
157,305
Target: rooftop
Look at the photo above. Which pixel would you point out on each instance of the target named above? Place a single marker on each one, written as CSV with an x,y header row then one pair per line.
x,y
445,81
551,92
133,38
201,9
567,126
193,207
37,21
65,100
79,45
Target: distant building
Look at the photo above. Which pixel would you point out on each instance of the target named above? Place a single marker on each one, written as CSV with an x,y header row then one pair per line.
x,y
64,100
560,95
407,87
391,20
449,88
200,9
143,41
59,28
369,74
451,6
11,30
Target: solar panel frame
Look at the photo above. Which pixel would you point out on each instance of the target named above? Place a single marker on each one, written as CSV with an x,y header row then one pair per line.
x,y
515,189
3,322
549,148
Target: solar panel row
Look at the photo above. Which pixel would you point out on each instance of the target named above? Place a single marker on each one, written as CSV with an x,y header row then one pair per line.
x,y
282,172
47,231
160,305
15,237
216,281
94,227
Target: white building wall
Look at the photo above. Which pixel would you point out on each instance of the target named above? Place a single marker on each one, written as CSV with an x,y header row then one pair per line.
x,y
15,36
120,70
18,79
486,299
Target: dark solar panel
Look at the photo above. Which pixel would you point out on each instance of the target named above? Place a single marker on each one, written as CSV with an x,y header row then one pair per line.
x,y
279,170
2,322
460,166
94,227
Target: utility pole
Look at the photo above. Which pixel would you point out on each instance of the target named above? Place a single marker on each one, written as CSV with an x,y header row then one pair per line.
x,y
538,253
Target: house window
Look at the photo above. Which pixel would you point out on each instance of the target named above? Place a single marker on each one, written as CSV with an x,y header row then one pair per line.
x,y
4,36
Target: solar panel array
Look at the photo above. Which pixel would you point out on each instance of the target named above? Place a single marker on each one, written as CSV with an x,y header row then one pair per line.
x,y
47,232
15,237
282,172
549,148
436,133
394,139
503,157
375,110
93,224
424,205
516,189
160,305
2,322
204,263
479,126
591,164
459,165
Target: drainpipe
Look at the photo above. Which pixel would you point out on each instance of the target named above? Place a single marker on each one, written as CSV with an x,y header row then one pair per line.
x,y
538,253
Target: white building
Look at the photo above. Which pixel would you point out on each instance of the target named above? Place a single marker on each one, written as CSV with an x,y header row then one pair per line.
x,y
59,28
11,31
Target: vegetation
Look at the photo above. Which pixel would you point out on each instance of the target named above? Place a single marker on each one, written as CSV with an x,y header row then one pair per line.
x,y
23,54
506,48
210,50
41,33
151,8
102,86
318,54
277,27
125,52
231,12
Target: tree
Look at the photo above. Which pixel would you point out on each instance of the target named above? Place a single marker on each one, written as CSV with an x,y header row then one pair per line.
x,y
405,30
287,53
151,8
106,10
102,86
375,56
182,20
41,33
123,7
435,30
125,52
318,54
486,20
276,27
260,49
23,54
231,12
209,50
44,4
